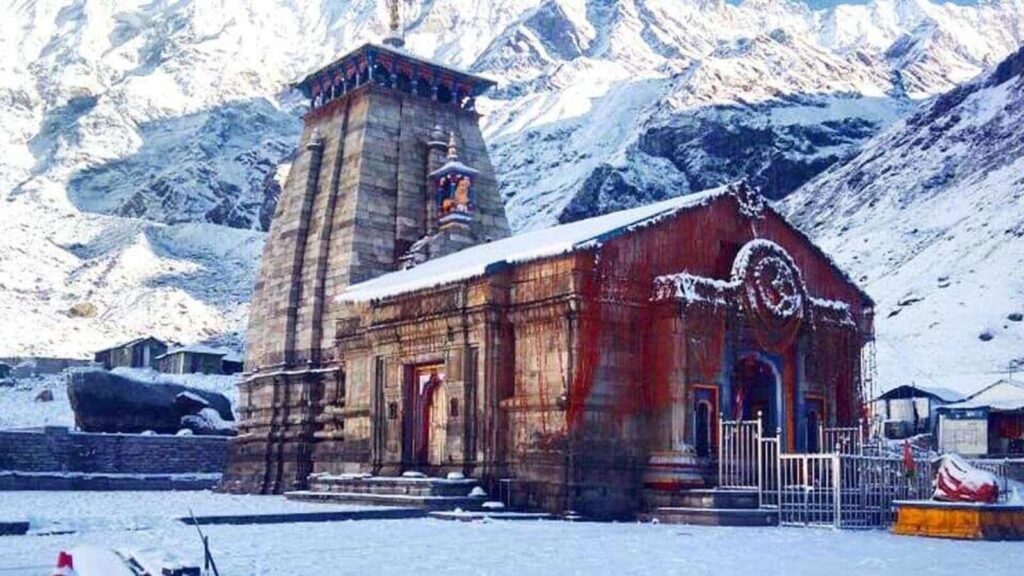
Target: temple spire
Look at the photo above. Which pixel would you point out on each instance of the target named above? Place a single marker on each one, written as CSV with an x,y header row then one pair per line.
x,y
395,37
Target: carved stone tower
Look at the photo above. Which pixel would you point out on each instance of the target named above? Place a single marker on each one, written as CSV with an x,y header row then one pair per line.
x,y
371,191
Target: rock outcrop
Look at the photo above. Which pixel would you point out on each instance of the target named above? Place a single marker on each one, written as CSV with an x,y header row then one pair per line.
x,y
111,403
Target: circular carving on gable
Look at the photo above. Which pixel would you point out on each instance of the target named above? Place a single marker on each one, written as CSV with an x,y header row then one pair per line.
x,y
772,290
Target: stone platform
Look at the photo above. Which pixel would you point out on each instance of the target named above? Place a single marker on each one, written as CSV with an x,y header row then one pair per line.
x,y
416,492
961,521
89,482
707,507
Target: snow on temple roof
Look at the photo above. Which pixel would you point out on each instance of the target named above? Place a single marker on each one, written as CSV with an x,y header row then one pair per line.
x,y
533,245
1001,395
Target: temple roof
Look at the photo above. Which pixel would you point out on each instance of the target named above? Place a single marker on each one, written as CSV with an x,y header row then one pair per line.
x,y
525,247
484,258
358,58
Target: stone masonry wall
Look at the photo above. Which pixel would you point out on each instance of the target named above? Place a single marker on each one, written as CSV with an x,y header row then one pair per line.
x,y
60,450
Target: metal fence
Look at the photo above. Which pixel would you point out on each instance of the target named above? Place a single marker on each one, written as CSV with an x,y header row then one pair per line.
x,y
846,490
844,440
739,453
840,489
869,485
769,468
807,491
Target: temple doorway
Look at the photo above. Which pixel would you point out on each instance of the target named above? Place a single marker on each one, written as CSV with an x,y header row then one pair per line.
x,y
702,424
426,430
437,424
705,419
755,388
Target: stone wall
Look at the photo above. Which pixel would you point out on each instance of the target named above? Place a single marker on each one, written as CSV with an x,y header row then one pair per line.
x,y
60,450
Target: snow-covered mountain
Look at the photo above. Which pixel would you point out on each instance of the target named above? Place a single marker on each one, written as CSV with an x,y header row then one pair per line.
x,y
930,215
143,142
606,105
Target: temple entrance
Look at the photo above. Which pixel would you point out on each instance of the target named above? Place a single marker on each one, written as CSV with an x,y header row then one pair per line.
x,y
437,424
426,428
704,410
755,389
702,429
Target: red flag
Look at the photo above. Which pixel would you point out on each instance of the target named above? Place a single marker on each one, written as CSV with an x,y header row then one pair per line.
x,y
909,466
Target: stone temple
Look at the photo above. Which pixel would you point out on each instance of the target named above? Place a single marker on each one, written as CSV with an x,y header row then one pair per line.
x,y
396,327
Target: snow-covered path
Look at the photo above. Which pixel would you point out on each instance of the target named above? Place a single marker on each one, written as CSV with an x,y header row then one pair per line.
x,y
438,547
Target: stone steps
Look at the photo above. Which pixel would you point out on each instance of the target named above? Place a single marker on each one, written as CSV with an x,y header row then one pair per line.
x,y
420,492
396,500
715,516
401,485
709,507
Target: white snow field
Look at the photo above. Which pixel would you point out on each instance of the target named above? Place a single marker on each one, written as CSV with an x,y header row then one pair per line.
x,y
428,546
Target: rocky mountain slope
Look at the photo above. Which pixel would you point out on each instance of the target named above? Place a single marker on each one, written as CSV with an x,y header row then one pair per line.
x,y
606,105
143,142
930,215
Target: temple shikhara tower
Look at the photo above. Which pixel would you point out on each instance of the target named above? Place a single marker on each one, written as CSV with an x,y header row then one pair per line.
x,y
396,327
392,169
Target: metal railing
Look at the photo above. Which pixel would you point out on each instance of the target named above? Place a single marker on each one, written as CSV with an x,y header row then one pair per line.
x,y
768,471
845,440
846,490
739,453
869,485
843,488
808,494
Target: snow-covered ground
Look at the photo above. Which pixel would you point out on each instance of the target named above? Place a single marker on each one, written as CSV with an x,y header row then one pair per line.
x,y
427,546
20,409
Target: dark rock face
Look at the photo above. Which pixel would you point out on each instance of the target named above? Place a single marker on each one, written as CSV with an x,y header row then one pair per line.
x,y
715,150
608,190
111,403
775,158
179,174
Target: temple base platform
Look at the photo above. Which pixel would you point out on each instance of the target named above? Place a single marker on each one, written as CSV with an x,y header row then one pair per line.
x,y
402,491
959,520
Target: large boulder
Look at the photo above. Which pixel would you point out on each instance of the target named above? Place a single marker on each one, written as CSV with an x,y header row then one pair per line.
x,y
109,402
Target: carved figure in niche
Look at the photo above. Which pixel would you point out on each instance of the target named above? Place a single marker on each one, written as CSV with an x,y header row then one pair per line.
x,y
462,195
